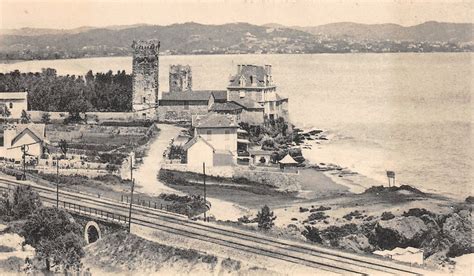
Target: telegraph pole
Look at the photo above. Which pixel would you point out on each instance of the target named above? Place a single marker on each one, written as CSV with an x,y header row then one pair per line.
x,y
57,181
23,149
205,202
131,196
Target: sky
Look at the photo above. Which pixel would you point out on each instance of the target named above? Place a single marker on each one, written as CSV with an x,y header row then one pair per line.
x,y
67,14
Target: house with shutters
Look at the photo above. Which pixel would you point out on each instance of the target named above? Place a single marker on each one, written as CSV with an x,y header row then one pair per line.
x,y
255,83
215,140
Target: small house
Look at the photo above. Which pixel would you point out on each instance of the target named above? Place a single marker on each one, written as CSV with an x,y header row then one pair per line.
x,y
14,103
17,135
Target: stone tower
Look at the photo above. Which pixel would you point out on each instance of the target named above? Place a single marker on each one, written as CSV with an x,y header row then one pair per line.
x,y
181,79
145,82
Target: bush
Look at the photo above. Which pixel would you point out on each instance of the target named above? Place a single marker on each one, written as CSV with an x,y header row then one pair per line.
x,y
302,209
265,218
19,203
312,234
418,212
320,209
335,232
353,214
469,199
387,216
56,237
317,216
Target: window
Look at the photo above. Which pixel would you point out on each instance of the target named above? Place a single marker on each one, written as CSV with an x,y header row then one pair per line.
x,y
186,105
227,134
144,99
11,105
209,134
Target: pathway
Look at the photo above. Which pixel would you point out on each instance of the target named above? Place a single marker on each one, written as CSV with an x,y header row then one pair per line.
x,y
146,176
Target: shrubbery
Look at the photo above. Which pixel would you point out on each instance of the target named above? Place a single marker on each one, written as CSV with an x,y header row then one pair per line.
x,y
19,203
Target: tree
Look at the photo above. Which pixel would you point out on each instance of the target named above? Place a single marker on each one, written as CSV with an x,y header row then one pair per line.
x,y
45,118
265,218
19,203
25,117
63,145
56,237
312,234
5,112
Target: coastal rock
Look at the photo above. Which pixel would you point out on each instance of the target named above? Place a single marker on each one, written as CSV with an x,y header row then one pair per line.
x,y
356,243
400,232
457,230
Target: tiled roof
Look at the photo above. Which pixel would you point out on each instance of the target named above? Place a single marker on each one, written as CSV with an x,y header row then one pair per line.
x,y
13,95
215,120
193,141
248,72
248,103
38,129
228,106
198,95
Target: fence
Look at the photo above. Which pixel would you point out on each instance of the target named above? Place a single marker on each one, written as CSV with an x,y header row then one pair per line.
x,y
90,211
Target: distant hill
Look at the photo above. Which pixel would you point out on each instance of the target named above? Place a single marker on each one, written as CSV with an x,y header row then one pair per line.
x,y
429,31
235,38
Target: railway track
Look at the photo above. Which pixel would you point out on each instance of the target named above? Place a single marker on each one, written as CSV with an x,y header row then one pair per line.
x,y
322,259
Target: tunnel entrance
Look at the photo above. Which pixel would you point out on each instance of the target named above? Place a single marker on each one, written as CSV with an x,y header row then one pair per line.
x,y
92,232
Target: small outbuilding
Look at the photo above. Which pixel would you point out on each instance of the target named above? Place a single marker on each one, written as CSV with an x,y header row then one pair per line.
x,y
287,161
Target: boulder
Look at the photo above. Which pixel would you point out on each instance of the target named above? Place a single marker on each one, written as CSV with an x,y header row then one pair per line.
x,y
400,232
457,230
356,243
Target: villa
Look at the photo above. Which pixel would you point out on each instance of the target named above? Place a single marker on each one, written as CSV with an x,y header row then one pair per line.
x,y
256,83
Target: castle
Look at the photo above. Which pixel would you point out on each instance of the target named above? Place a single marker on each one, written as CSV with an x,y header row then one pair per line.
x,y
251,94
145,84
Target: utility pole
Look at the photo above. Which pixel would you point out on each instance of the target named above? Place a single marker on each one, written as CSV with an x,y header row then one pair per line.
x,y
131,196
205,202
57,181
24,150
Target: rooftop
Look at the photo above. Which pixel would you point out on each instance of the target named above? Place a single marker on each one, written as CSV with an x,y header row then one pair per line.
x,y
215,120
252,76
13,95
195,95
227,106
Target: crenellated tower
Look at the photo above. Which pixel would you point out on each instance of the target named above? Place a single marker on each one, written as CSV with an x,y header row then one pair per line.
x,y
145,74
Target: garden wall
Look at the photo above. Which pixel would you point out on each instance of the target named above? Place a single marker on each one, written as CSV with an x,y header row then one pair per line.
x,y
284,181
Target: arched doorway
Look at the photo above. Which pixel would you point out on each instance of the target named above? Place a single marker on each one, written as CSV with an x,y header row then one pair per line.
x,y
92,232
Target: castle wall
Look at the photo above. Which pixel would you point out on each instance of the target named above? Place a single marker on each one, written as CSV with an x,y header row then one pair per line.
x,y
180,78
145,74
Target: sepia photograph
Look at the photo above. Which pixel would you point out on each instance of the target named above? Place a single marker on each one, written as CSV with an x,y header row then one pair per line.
x,y
236,137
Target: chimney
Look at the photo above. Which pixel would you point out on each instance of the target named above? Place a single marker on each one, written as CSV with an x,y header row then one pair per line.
x,y
268,69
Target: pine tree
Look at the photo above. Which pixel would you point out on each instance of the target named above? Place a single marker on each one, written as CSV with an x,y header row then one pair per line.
x,y
265,218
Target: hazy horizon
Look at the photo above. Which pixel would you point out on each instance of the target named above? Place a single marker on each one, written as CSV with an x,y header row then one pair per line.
x,y
68,14
147,24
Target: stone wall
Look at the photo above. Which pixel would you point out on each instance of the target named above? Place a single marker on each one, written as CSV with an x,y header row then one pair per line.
x,y
179,113
284,181
145,84
180,78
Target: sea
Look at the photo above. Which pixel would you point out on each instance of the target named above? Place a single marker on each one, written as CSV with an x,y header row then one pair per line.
x,y
410,113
